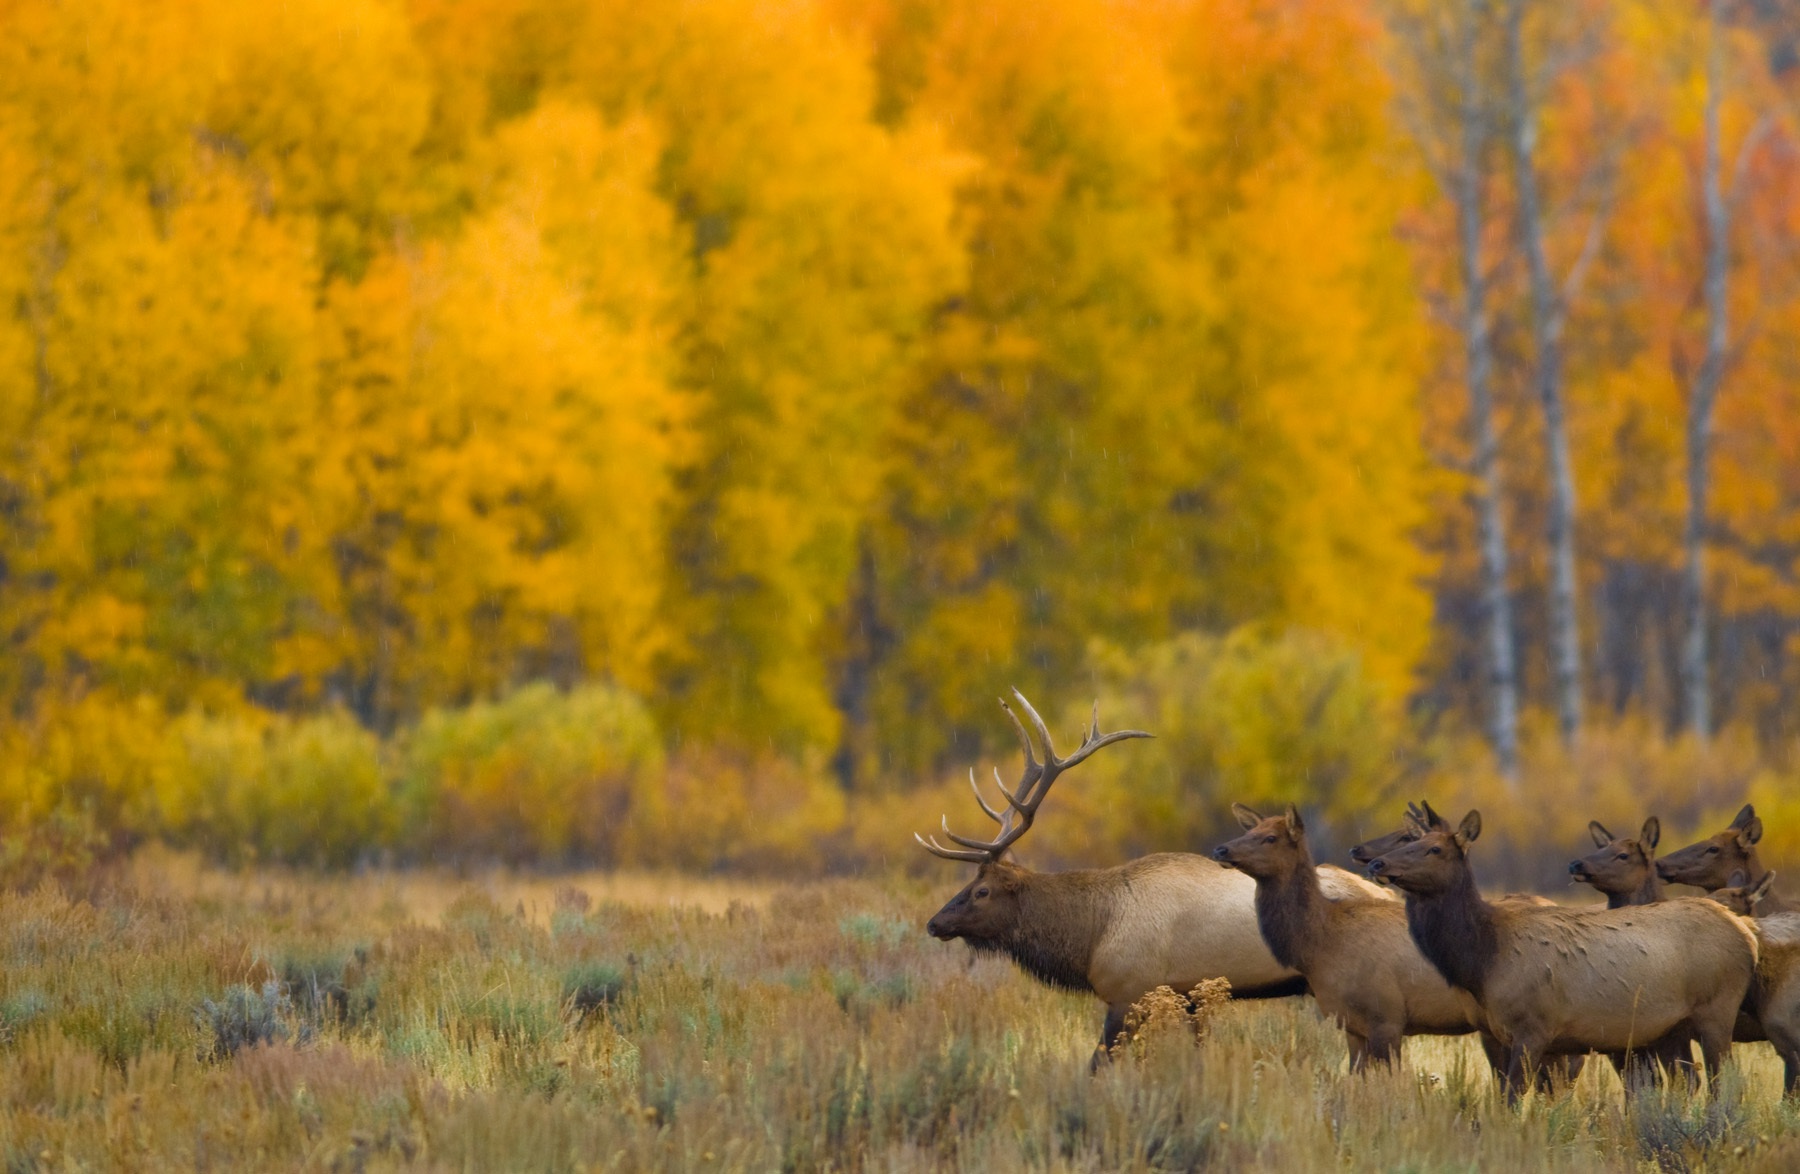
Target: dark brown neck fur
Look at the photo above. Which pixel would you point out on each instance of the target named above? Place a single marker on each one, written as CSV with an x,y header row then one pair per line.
x,y
1062,917
1291,912
1456,932
1648,893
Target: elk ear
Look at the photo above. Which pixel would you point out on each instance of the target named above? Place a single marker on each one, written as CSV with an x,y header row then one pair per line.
x,y
1296,828
1246,816
1470,830
1750,832
1434,821
1762,887
1602,837
1743,817
1651,834
1738,879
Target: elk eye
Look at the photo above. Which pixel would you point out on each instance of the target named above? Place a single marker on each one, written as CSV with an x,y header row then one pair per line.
x,y
1713,851
980,893
1268,839
1434,851
1623,856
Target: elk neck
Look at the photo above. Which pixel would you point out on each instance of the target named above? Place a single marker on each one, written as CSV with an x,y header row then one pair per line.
x,y
1291,910
1457,932
1648,893
1062,918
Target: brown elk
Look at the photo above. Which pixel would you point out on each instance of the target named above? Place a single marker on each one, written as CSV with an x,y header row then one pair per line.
x,y
1710,863
1418,817
1171,919
1623,869
1742,897
1355,952
1555,981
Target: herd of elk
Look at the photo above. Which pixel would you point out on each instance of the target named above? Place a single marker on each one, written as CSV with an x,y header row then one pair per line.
x,y
1355,953
1550,981
1640,980
1170,919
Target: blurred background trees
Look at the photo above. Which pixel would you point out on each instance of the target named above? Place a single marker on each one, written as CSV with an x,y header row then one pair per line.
x,y
551,430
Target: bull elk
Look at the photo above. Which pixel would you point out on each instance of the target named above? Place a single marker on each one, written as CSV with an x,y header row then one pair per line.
x,y
1710,863
1623,869
1355,953
1552,981
1170,919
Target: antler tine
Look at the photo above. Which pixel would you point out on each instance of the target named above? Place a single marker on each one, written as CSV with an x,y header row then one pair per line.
x,y
970,841
1034,770
1011,799
979,798
1033,786
1037,723
937,849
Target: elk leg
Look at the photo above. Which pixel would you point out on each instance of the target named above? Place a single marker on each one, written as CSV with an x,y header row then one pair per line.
x,y
1359,1050
1558,1072
1790,1064
1110,1031
1715,1045
1521,1066
1382,1046
1496,1056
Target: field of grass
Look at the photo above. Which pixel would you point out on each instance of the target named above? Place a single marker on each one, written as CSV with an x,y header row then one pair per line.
x,y
176,1017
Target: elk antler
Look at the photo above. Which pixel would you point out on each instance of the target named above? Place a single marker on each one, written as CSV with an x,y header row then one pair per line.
x,y
1022,802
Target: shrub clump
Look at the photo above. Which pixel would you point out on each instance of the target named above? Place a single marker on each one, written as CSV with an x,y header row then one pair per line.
x,y
1163,1014
245,1017
538,775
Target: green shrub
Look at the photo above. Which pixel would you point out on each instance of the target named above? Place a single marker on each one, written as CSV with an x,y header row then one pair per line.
x,y
245,1017
324,799
538,775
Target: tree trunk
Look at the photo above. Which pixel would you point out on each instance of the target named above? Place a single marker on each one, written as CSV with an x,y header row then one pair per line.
x,y
1467,193
1547,316
1705,392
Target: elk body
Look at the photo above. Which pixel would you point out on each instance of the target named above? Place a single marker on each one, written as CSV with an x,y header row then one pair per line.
x,y
1710,863
1623,869
1171,919
1773,1007
1557,981
1356,953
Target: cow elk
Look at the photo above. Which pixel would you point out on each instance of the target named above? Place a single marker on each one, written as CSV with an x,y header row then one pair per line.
x,y
1623,869
1742,897
1710,863
1355,952
1171,919
1553,981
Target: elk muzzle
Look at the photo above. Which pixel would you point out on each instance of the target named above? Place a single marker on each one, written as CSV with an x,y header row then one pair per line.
x,y
1579,870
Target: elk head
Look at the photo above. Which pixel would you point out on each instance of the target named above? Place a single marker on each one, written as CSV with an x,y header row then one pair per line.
x,y
1416,817
1710,863
987,907
1742,897
1270,848
1620,866
1432,863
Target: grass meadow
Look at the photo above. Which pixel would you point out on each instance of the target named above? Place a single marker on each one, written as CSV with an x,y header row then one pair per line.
x,y
170,1016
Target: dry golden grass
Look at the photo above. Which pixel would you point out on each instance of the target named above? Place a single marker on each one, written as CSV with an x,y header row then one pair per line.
x,y
203,1020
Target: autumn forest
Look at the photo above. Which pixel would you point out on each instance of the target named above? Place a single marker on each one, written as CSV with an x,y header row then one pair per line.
x,y
655,432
